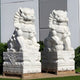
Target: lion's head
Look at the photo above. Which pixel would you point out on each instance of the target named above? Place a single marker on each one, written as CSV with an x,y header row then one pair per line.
x,y
57,17
25,16
60,16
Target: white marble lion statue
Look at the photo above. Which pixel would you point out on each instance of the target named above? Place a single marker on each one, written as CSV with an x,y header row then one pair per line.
x,y
59,34
24,36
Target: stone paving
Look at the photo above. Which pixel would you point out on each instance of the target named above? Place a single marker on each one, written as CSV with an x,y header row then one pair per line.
x,y
39,75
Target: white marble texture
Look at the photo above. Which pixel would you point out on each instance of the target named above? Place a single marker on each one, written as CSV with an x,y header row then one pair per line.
x,y
16,63
58,61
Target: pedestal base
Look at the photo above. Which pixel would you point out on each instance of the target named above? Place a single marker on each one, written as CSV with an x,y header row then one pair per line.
x,y
66,72
58,72
19,63
59,62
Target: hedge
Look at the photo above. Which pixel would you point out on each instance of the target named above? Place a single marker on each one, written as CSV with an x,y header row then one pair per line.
x,y
77,57
41,46
3,48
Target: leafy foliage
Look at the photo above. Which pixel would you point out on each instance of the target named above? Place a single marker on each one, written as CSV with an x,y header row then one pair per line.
x,y
77,57
3,48
77,70
41,46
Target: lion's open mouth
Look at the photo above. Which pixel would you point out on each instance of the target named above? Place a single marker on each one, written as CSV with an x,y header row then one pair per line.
x,y
26,19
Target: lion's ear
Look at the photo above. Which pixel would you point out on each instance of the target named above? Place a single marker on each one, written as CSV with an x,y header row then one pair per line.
x,y
66,12
20,10
53,12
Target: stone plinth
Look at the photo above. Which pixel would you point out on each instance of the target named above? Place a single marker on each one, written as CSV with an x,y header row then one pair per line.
x,y
60,62
19,63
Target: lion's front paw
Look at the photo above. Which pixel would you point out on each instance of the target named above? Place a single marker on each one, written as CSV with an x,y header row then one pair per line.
x,y
71,49
60,42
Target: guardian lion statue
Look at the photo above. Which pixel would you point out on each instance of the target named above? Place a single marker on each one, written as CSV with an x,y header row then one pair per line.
x,y
59,34
23,56
24,36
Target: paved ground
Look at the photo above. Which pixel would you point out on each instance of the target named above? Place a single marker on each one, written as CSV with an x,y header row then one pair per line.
x,y
40,75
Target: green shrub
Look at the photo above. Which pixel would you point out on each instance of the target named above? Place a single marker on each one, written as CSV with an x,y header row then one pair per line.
x,y
41,45
3,48
77,57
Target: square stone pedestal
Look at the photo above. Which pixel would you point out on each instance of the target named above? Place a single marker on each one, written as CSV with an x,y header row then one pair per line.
x,y
60,62
18,63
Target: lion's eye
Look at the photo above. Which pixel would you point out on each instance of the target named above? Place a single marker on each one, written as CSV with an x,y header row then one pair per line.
x,y
57,16
24,13
20,11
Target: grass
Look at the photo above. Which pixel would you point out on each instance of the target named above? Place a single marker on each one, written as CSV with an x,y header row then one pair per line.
x,y
62,78
58,78
78,70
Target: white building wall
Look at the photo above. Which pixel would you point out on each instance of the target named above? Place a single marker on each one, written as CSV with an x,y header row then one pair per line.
x,y
8,9
46,7
73,14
